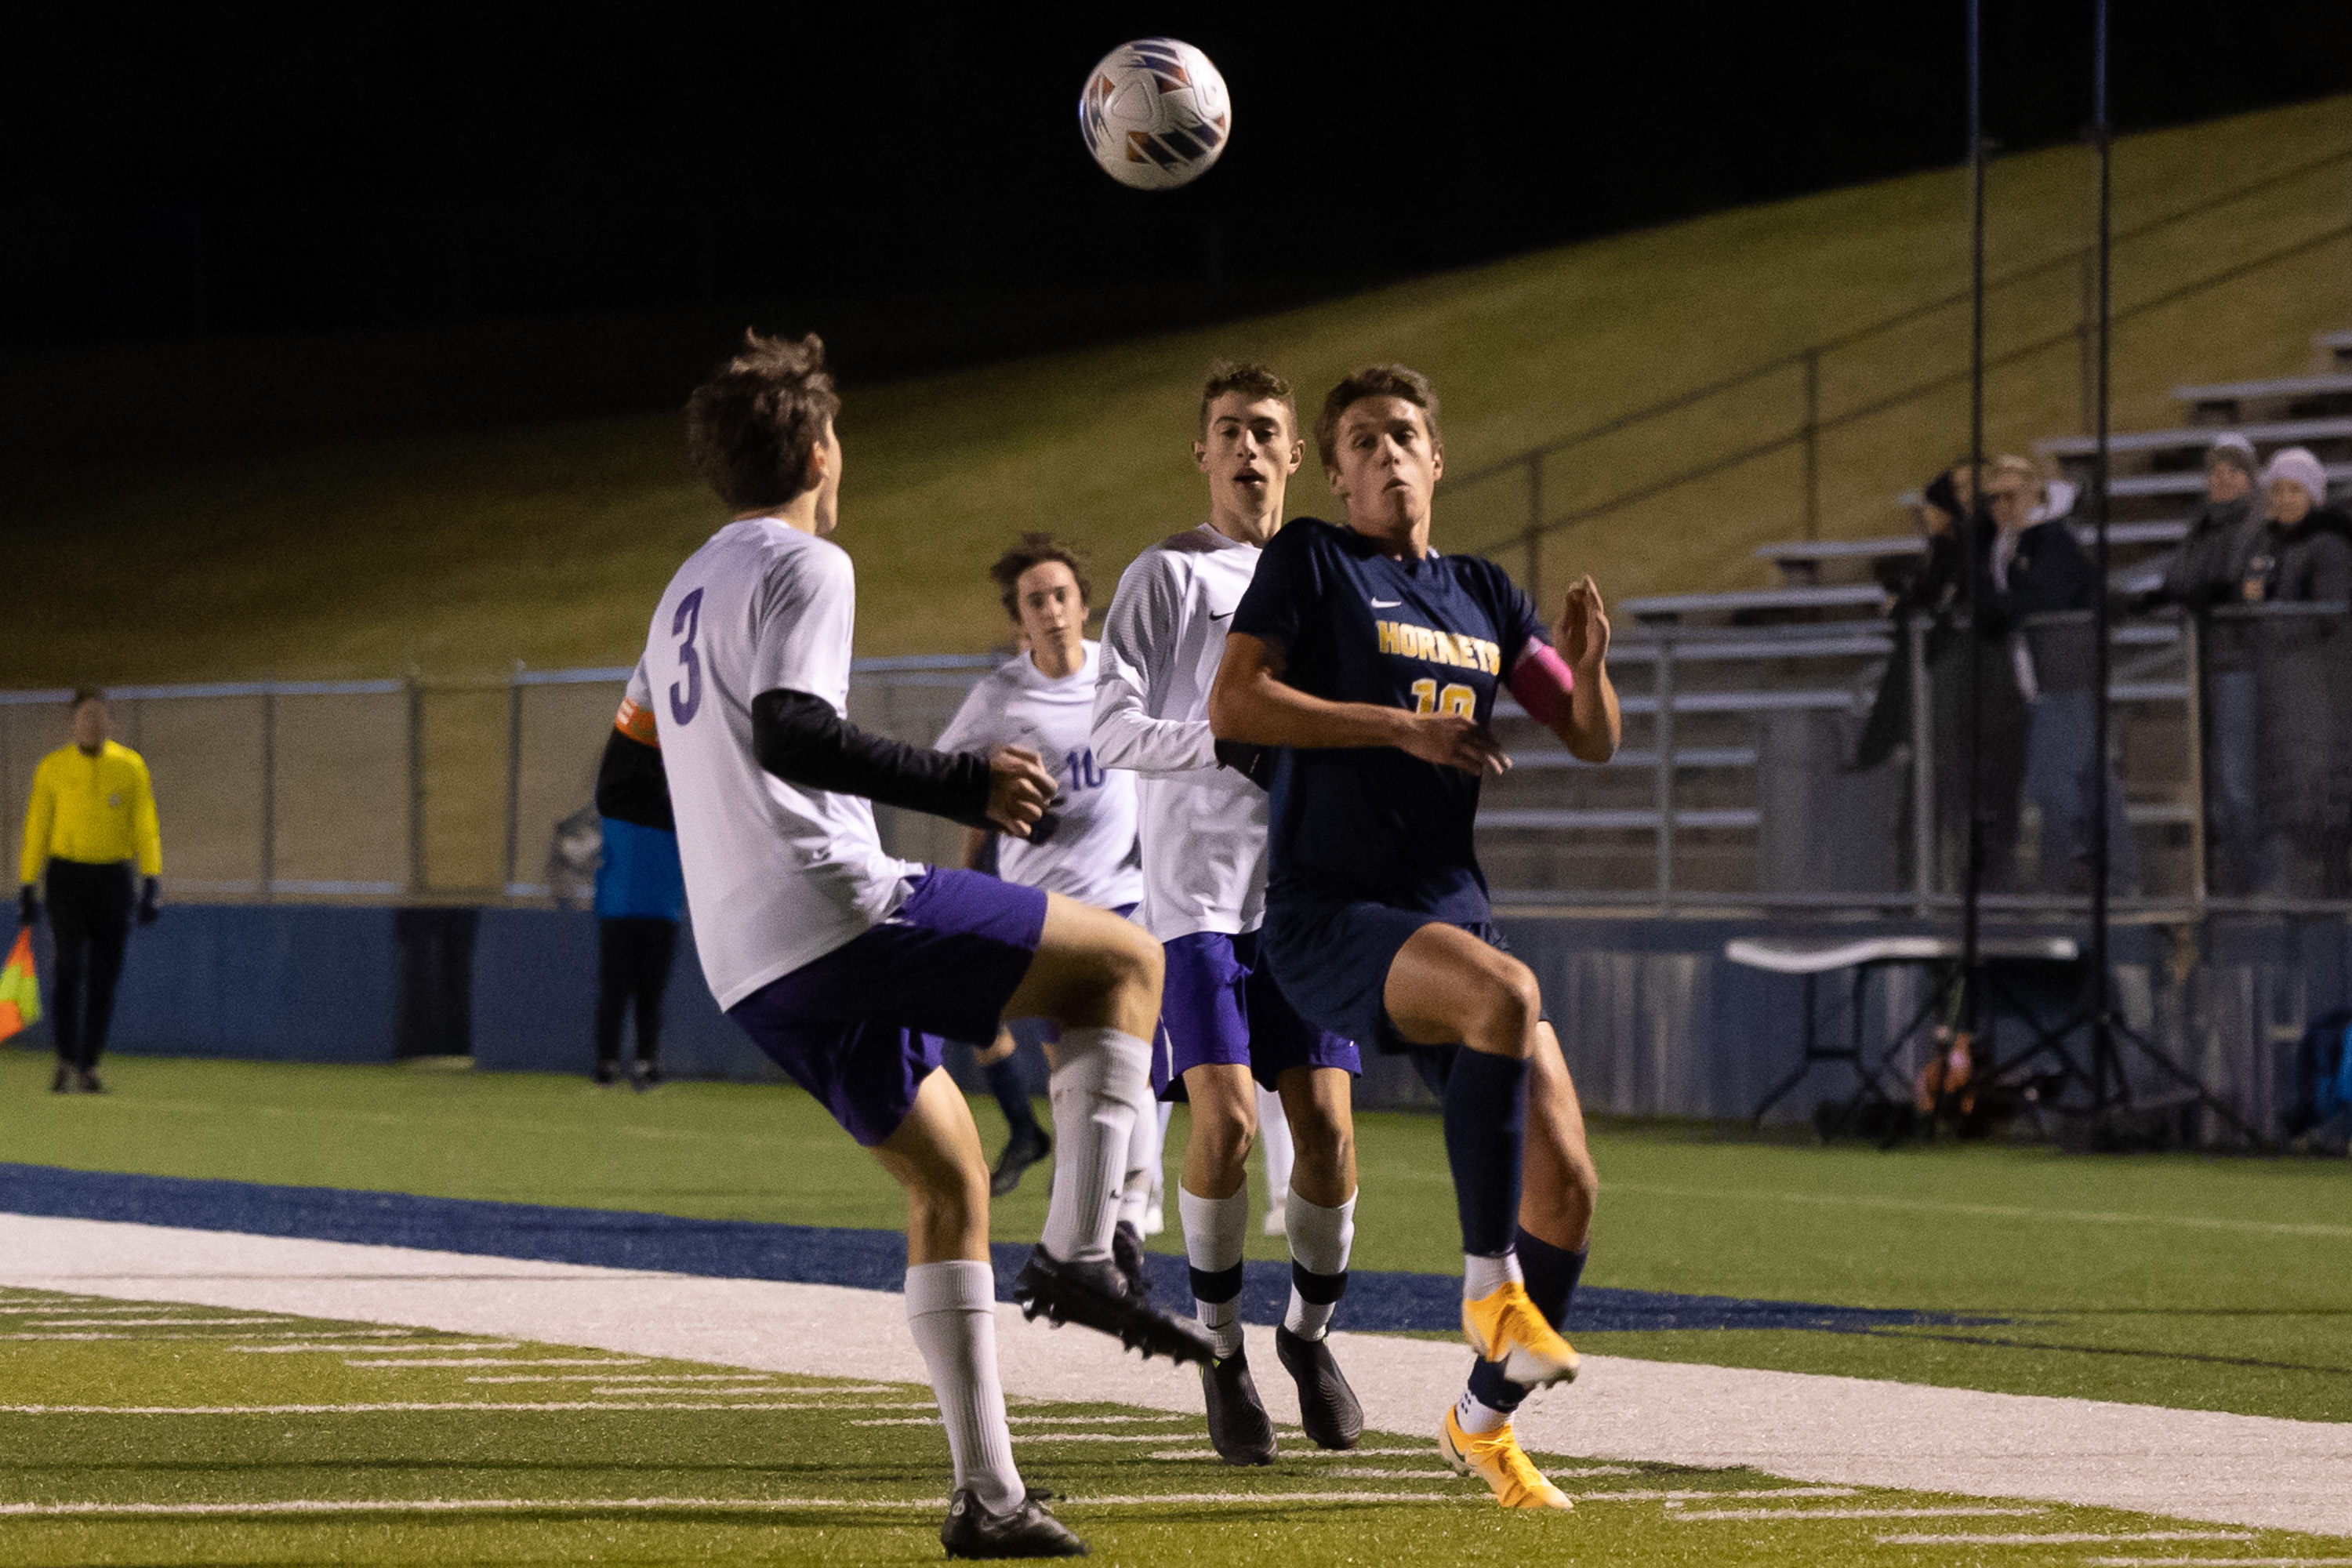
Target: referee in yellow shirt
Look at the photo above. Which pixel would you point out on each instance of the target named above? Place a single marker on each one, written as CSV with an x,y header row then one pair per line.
x,y
93,814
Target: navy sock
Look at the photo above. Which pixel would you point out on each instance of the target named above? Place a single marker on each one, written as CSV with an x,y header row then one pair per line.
x,y
1009,1082
1551,1275
1486,1132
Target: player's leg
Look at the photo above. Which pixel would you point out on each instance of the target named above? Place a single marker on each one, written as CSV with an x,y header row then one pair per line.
x,y
1446,986
1555,1222
69,969
1154,1205
109,934
1319,1222
935,1155
659,949
1213,1195
611,997
1008,1080
1098,977
1136,1191
1274,1143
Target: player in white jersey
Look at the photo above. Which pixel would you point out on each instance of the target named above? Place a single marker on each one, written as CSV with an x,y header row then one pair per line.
x,y
1084,847
845,965
1227,1028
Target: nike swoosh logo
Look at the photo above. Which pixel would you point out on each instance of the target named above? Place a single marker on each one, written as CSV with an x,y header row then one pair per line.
x,y
1226,616
1387,604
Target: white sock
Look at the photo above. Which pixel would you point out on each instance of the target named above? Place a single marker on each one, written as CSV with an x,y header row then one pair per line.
x,y
1274,1137
1482,1277
1138,1190
1214,1232
1320,1242
1159,1166
1101,1077
1474,1415
952,1307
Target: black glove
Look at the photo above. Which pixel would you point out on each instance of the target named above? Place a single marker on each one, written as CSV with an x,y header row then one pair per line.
x,y
28,905
1254,763
149,891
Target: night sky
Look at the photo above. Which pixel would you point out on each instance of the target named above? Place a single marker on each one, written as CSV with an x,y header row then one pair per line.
x,y
169,172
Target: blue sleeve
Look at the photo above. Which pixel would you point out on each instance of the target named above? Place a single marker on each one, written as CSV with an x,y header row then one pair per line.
x,y
1289,579
1514,617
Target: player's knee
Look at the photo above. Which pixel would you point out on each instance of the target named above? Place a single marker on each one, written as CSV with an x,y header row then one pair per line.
x,y
1324,1145
1506,1008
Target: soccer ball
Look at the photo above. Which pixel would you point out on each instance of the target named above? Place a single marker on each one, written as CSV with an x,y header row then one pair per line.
x,y
1155,114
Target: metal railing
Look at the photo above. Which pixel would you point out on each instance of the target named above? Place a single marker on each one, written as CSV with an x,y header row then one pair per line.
x,y
1736,787
1807,424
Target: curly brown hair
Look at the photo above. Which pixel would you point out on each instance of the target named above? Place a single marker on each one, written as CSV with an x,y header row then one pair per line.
x,y
1372,380
1035,550
751,428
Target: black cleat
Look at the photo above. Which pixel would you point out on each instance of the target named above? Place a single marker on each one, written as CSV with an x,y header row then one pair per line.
x,y
64,1082
1238,1427
1098,1297
1025,1530
1019,1154
87,1081
608,1072
1328,1410
1127,1251
643,1075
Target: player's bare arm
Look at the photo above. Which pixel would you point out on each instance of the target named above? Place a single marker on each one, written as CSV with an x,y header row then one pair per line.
x,y
1251,703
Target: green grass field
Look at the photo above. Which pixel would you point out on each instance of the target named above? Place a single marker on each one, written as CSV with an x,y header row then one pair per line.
x,y
239,1447
463,552
2177,1281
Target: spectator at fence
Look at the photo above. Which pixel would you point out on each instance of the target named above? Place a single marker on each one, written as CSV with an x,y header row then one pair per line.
x,y
640,894
2209,567
2306,552
90,819
2044,587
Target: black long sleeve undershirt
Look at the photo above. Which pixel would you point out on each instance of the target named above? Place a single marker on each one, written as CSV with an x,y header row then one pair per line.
x,y
802,740
631,786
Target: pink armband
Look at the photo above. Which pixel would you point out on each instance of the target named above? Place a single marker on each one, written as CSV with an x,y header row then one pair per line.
x,y
1541,680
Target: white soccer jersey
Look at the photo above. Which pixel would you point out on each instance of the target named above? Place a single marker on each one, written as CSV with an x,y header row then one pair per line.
x,y
776,876
1203,826
1091,855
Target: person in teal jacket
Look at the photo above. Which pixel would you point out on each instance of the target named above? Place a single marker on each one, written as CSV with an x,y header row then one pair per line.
x,y
640,896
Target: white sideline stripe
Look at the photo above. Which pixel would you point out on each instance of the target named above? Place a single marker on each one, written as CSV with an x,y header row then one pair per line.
x,y
183,1321
1395,1473
1699,1515
666,1378
1998,1211
1426,1450
2196,1466
1078,1421
502,1361
2065,1538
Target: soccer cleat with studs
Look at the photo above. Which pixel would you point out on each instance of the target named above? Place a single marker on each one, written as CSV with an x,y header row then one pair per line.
x,y
1238,1428
1098,1296
1328,1410
1504,1326
1024,1529
1496,1458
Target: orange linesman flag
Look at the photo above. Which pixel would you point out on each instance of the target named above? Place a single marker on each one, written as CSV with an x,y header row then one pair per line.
x,y
20,988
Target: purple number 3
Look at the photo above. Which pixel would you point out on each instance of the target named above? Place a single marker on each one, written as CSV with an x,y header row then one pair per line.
x,y
684,626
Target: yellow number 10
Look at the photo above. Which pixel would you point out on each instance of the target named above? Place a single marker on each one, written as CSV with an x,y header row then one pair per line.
x,y
1457,698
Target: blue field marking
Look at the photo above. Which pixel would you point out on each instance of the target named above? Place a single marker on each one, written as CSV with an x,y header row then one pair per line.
x,y
813,1255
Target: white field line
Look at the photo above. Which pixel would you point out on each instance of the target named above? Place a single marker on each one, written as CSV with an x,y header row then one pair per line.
x,y
1701,1515
1089,1420
690,1377
183,1321
581,1505
2064,1538
1681,1495
373,1346
502,1361
1426,1450
2198,1466
1438,1472
1997,1211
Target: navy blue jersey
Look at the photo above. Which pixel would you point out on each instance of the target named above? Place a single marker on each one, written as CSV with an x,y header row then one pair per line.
x,y
1437,635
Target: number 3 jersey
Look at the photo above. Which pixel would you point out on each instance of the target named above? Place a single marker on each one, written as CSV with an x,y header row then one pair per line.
x,y
1089,855
776,876
1351,625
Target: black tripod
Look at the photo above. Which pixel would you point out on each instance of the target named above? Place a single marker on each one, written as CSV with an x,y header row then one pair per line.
x,y
2097,1090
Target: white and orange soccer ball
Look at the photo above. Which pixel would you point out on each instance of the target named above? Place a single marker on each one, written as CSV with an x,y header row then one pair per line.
x,y
1155,114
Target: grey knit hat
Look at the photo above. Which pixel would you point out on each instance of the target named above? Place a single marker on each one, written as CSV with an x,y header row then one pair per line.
x,y
2234,449
2297,464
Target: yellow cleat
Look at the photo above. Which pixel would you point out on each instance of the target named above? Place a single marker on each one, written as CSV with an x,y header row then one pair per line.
x,y
1505,1326
1496,1458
